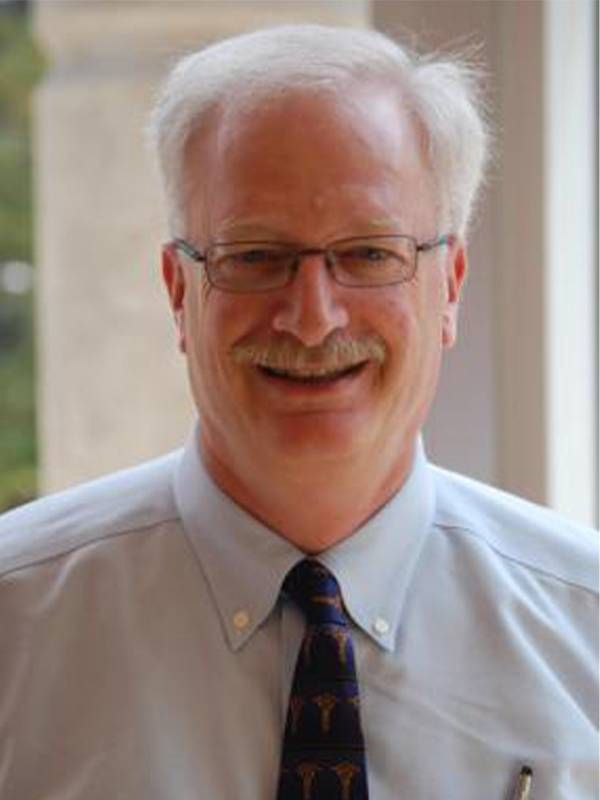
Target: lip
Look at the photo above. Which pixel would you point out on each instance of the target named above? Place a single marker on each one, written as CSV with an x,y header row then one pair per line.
x,y
287,387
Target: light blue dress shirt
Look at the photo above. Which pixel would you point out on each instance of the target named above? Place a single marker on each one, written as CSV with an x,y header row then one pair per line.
x,y
146,653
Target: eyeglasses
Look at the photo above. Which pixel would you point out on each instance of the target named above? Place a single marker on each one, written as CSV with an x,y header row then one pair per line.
x,y
362,261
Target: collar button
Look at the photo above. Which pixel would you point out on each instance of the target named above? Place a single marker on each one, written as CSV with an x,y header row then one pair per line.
x,y
381,626
241,619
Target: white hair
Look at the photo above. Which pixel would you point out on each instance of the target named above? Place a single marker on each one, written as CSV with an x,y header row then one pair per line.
x,y
442,92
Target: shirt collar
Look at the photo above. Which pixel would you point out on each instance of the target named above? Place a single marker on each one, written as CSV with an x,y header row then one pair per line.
x,y
245,562
375,565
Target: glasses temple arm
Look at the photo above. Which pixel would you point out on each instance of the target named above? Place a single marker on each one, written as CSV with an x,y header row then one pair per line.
x,y
190,251
447,238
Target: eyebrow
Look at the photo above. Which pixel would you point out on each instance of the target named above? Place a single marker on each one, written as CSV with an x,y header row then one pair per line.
x,y
252,230
262,230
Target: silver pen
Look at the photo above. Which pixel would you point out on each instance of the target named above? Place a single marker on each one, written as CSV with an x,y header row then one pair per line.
x,y
523,787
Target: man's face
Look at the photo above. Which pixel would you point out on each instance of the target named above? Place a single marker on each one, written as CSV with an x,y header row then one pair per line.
x,y
309,169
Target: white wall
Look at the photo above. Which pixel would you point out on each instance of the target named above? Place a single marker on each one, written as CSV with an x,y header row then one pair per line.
x,y
571,290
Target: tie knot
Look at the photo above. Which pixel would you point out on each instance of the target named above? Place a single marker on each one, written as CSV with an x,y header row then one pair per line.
x,y
316,591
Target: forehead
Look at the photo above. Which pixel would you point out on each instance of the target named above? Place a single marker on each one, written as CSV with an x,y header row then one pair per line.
x,y
302,152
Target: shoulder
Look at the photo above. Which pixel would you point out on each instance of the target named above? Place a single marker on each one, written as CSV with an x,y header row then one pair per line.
x,y
517,530
116,504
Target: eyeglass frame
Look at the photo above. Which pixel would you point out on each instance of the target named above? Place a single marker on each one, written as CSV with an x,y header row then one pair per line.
x,y
195,255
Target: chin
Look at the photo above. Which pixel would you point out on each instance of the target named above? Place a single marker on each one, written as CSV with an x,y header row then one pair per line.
x,y
319,437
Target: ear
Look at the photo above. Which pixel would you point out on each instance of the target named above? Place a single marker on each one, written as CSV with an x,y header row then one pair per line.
x,y
174,280
456,272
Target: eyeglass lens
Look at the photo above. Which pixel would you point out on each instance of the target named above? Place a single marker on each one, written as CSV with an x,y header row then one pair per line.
x,y
258,266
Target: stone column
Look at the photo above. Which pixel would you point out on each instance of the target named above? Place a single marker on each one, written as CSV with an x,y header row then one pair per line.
x,y
112,388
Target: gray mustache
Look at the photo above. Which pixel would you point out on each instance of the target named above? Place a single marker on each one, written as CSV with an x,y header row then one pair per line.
x,y
331,355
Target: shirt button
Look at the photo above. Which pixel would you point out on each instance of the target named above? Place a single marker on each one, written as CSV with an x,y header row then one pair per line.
x,y
381,626
241,619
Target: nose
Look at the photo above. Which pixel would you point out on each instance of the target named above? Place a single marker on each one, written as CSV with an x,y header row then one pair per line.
x,y
310,307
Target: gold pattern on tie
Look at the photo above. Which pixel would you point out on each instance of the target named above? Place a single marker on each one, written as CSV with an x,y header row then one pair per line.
x,y
346,773
325,703
323,753
354,701
332,601
341,638
339,634
296,705
307,771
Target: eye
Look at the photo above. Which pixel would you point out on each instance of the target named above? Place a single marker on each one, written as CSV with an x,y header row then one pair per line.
x,y
251,256
368,253
258,256
365,254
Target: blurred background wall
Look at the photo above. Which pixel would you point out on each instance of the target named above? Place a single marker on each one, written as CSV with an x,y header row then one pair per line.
x,y
518,395
21,65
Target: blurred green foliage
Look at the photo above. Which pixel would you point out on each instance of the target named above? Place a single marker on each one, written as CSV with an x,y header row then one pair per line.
x,y
21,66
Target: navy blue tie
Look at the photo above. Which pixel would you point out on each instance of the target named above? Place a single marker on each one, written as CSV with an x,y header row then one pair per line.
x,y
323,754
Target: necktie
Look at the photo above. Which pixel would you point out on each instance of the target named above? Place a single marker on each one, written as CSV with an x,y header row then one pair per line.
x,y
323,754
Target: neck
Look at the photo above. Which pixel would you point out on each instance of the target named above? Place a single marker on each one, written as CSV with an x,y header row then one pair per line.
x,y
313,508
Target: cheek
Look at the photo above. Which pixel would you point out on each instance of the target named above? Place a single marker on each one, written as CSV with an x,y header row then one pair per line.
x,y
216,321
202,334
398,322
410,321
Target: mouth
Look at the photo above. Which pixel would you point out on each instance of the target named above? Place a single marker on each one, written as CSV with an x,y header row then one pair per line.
x,y
316,376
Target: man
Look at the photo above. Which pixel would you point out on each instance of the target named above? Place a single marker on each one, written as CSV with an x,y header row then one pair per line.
x,y
298,605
